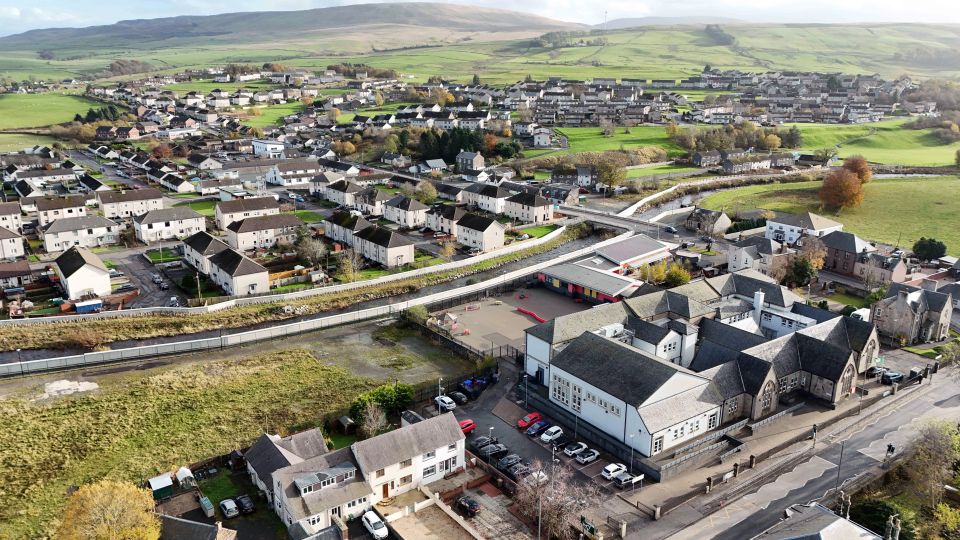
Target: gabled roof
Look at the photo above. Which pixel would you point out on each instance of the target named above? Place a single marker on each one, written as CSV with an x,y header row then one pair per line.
x,y
661,302
10,209
344,186
398,445
606,283
205,244
758,245
271,452
263,223
175,528
247,205
936,301
476,222
447,211
406,203
628,249
7,234
127,195
848,242
75,258
529,199
235,263
382,236
77,223
59,203
177,213
488,190
807,220
348,220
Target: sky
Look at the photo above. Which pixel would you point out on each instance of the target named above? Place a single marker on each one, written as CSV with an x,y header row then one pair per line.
x,y
20,15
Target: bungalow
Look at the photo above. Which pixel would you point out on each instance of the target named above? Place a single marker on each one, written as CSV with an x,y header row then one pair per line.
x,y
89,184
226,212
203,163
342,225
383,246
82,273
11,244
238,275
86,231
263,232
10,217
199,247
176,183
268,149
168,223
129,202
397,161
480,232
709,222
406,212
529,208
50,209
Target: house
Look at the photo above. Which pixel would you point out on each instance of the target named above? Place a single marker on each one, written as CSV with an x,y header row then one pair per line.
x,y
561,194
449,192
912,314
480,232
488,197
542,137
406,212
342,225
11,244
263,232
199,247
89,184
469,161
238,275
383,246
397,161
82,273
268,149
50,209
815,521
15,274
226,212
756,253
203,163
320,182
844,249
706,159
175,528
168,223
343,193
270,453
371,201
789,228
874,269
444,218
10,217
709,222
293,172
86,231
529,208
129,202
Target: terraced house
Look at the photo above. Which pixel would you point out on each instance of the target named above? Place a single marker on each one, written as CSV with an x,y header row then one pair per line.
x,y
129,203
167,224
226,212
263,232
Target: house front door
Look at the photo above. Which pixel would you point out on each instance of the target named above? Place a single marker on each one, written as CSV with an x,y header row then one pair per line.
x,y
386,491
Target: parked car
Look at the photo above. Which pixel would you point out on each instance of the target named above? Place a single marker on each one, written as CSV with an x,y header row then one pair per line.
x,y
245,503
494,451
536,429
890,377
875,371
173,302
468,505
574,448
519,471
482,441
459,397
125,287
466,426
374,525
612,470
156,278
563,441
508,461
229,508
670,229
529,420
163,285
625,480
587,456
444,403
551,434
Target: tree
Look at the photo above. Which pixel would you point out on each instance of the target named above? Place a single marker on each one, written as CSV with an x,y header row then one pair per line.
x,y
771,142
333,114
378,99
476,80
426,193
344,148
349,265
859,166
417,314
928,249
824,155
557,502
311,250
874,513
161,151
677,275
489,144
841,189
801,271
814,251
947,517
306,100
108,510
610,174
374,421
448,249
931,466
950,353
956,159
391,144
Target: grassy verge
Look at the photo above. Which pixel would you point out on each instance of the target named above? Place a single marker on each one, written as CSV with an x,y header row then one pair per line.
x,y
135,427
78,334
204,208
539,232
162,255
849,299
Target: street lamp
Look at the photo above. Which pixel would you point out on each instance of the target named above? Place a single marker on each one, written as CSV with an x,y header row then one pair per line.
x,y
20,362
440,388
525,390
220,329
631,454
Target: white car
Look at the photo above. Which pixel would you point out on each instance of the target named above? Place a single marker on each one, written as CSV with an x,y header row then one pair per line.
x,y
587,456
573,449
612,470
552,434
375,525
229,508
445,403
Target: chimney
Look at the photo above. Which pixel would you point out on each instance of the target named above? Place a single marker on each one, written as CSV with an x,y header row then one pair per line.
x,y
928,284
902,295
757,305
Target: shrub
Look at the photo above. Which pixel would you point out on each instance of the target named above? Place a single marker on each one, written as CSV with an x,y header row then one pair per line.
x,y
873,514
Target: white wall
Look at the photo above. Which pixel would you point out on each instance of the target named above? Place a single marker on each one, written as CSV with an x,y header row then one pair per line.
x,y
537,357
11,248
87,280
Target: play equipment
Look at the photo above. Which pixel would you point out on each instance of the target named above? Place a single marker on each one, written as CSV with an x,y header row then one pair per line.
x,y
531,313
472,307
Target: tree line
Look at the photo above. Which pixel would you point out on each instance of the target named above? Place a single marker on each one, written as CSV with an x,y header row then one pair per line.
x,y
741,135
109,112
350,70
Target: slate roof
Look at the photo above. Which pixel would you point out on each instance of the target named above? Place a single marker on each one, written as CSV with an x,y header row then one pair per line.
x,y
758,245
488,190
77,223
659,302
271,453
680,406
7,234
807,220
175,528
746,282
127,195
9,209
235,263
247,205
15,269
263,223
58,203
406,203
447,211
349,221
476,222
382,236
345,186
310,471
529,199
630,248
76,258
936,301
726,377
398,445
848,242
205,244
163,215
290,165
448,189
606,283
647,331
816,523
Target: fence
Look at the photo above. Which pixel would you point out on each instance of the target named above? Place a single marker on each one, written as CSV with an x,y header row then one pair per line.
x,y
269,297
278,331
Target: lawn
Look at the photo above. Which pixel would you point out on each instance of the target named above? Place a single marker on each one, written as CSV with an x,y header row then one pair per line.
x,y
896,211
309,216
136,426
881,142
202,207
591,139
271,114
15,142
162,255
539,231
341,440
658,169
33,110
849,300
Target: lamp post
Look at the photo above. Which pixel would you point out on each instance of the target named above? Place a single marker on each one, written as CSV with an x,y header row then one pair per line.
x,y
440,389
220,329
839,464
525,390
490,435
631,454
20,362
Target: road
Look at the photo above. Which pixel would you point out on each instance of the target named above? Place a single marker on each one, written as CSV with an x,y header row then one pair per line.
x,y
863,452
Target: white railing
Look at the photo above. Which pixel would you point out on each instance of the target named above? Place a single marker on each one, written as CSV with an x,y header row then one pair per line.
x,y
273,332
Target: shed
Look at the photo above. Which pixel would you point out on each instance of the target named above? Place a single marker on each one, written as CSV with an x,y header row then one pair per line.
x,y
161,486
185,478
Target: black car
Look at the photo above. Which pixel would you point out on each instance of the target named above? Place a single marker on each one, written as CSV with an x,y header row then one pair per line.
x,y
493,451
458,397
508,461
670,229
482,441
563,441
875,371
891,377
519,471
468,505
245,503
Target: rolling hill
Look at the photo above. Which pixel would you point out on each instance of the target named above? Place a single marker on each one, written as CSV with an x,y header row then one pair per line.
x,y
636,22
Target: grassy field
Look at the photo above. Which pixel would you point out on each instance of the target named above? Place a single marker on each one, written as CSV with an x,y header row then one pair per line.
x,y
896,211
540,231
34,110
207,86
14,142
591,139
271,115
204,208
658,169
881,142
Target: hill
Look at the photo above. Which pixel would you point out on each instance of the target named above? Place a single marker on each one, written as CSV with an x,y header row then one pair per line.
x,y
636,22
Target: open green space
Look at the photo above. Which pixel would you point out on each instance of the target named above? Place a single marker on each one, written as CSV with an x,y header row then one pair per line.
x,y
162,255
15,142
539,231
880,142
202,207
309,216
207,86
658,169
35,110
271,114
896,211
591,139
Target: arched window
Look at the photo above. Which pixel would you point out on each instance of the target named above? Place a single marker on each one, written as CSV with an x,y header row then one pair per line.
x,y
846,382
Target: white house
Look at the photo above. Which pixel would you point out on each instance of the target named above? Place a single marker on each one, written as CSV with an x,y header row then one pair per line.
x,y
529,208
168,223
267,149
238,275
198,248
488,197
129,202
383,246
343,192
542,137
50,209
87,231
788,228
444,218
480,232
263,232
82,273
293,172
226,212
11,244
406,212
10,217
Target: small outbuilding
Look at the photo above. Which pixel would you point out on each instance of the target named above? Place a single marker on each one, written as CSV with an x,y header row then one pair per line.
x,y
161,486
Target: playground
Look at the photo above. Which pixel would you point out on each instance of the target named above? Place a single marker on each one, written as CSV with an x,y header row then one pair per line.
x,y
502,320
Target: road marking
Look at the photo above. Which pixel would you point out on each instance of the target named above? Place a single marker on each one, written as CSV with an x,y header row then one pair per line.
x,y
787,482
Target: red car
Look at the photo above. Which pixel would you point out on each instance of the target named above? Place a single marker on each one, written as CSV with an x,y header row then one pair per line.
x,y
467,426
529,420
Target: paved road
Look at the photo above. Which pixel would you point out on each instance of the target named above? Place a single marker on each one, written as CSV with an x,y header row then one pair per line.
x,y
863,451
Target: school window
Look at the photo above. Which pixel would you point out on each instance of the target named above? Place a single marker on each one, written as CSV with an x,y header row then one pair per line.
x,y
712,421
782,385
658,444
